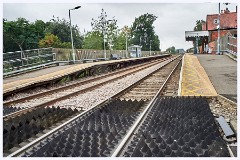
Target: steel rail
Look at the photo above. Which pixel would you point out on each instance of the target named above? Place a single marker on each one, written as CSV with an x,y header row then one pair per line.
x,y
17,113
75,84
174,89
38,140
119,149
10,91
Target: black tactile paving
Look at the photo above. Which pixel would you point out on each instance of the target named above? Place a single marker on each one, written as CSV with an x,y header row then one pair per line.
x,y
234,150
96,134
23,127
8,110
178,127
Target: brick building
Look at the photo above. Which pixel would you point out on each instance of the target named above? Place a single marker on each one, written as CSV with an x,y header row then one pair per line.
x,y
228,29
228,33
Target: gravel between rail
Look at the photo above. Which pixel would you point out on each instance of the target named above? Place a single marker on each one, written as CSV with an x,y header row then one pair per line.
x,y
89,99
73,87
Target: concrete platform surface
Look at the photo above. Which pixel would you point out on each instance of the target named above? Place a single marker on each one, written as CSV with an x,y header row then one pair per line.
x,y
40,76
195,81
222,71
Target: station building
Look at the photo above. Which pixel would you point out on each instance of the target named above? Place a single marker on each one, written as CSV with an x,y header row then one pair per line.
x,y
209,33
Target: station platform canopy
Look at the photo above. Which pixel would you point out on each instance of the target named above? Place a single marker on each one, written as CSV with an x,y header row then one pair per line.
x,y
191,35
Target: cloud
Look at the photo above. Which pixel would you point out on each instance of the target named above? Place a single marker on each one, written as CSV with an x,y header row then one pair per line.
x,y
172,22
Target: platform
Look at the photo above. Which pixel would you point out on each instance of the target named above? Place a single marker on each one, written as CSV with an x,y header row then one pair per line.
x,y
194,80
222,72
27,79
46,75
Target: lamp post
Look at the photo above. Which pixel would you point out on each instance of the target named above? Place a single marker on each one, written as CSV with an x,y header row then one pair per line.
x,y
150,47
218,41
73,54
126,47
102,24
104,38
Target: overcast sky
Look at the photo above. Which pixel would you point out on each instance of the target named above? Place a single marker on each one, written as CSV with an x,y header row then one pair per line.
x,y
172,22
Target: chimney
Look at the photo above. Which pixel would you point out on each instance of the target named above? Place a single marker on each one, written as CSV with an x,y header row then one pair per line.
x,y
236,9
226,11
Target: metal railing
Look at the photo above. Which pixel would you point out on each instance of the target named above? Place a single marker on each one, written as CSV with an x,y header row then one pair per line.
x,y
22,61
18,60
232,45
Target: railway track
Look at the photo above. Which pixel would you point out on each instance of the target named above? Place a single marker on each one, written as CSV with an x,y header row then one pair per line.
x,y
147,88
81,117
42,91
49,97
171,88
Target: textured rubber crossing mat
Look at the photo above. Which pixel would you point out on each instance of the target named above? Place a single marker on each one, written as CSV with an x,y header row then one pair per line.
x,y
95,134
178,127
21,128
8,110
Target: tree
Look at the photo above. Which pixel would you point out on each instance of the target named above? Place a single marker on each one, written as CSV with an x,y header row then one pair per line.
x,y
122,37
50,40
36,32
61,29
93,40
142,32
171,50
120,42
15,32
21,34
107,28
155,45
198,27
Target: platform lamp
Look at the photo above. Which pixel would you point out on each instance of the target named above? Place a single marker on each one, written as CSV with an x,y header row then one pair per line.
x,y
126,46
73,54
105,23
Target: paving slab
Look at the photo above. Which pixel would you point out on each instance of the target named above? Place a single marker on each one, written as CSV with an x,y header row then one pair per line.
x,y
222,72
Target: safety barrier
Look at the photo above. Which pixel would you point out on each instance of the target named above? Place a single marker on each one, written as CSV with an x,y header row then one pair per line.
x,y
18,60
232,45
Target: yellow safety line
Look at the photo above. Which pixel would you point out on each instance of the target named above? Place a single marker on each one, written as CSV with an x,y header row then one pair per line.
x,y
195,81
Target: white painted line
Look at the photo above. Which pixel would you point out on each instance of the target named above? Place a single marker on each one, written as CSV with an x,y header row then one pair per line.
x,y
180,79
